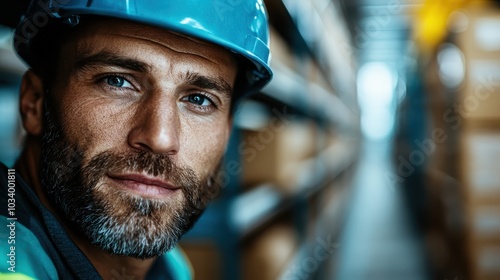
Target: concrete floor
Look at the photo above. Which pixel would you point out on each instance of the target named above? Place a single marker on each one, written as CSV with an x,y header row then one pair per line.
x,y
377,241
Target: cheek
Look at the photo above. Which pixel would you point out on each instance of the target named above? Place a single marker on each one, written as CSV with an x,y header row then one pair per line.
x,y
93,125
204,145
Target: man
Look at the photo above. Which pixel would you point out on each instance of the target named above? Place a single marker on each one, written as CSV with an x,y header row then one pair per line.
x,y
127,108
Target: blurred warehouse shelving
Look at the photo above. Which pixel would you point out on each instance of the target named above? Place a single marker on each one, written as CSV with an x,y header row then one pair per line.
x,y
293,149
452,98
428,70
290,158
11,69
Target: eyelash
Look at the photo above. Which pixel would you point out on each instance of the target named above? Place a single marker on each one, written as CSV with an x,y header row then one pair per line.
x,y
209,108
102,81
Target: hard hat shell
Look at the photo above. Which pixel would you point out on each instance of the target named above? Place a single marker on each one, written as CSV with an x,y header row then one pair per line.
x,y
240,26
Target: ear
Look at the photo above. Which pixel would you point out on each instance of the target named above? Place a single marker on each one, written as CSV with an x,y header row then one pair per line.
x,y
31,103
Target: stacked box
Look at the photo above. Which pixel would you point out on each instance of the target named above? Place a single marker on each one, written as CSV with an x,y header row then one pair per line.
x,y
277,153
205,258
478,121
266,255
480,43
481,182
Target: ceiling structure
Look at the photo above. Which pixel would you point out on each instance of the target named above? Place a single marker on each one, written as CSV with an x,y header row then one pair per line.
x,y
381,30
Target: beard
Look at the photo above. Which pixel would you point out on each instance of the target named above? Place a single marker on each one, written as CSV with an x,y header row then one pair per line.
x,y
109,217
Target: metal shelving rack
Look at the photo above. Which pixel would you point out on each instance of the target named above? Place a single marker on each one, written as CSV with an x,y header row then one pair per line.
x,y
331,105
313,31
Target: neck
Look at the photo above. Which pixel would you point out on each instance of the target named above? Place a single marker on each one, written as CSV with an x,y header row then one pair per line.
x,y
107,265
28,167
113,266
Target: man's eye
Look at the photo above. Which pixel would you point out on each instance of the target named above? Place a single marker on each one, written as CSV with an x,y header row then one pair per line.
x,y
117,81
199,100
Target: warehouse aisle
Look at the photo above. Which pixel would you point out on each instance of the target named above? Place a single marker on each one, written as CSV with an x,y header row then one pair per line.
x,y
377,241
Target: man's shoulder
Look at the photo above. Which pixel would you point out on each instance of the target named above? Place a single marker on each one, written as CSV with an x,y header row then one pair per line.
x,y
21,254
173,263
42,247
19,202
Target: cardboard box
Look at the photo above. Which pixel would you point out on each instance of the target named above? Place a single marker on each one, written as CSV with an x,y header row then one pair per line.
x,y
486,224
266,256
281,52
274,153
205,259
480,98
480,44
480,167
480,178
487,263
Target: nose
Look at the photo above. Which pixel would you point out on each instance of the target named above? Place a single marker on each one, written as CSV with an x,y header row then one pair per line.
x,y
156,128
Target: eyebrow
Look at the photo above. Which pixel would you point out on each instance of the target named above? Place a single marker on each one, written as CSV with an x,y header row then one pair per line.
x,y
110,59
107,58
205,82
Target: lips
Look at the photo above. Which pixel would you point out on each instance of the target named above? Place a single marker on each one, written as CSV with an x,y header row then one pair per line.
x,y
144,185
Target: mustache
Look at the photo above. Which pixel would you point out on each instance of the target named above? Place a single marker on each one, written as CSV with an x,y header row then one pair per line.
x,y
198,192
156,165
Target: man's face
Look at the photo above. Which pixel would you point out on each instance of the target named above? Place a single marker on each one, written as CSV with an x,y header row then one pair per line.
x,y
136,124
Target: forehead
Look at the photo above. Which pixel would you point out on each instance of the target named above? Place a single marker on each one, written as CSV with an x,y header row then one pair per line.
x,y
94,34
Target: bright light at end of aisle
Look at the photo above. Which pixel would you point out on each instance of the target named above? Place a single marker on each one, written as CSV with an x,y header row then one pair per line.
x,y
376,85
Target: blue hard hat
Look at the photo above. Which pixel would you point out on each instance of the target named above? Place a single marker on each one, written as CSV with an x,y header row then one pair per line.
x,y
240,26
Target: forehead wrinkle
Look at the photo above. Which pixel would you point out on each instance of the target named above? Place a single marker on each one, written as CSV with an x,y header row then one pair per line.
x,y
174,41
178,43
108,58
201,51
